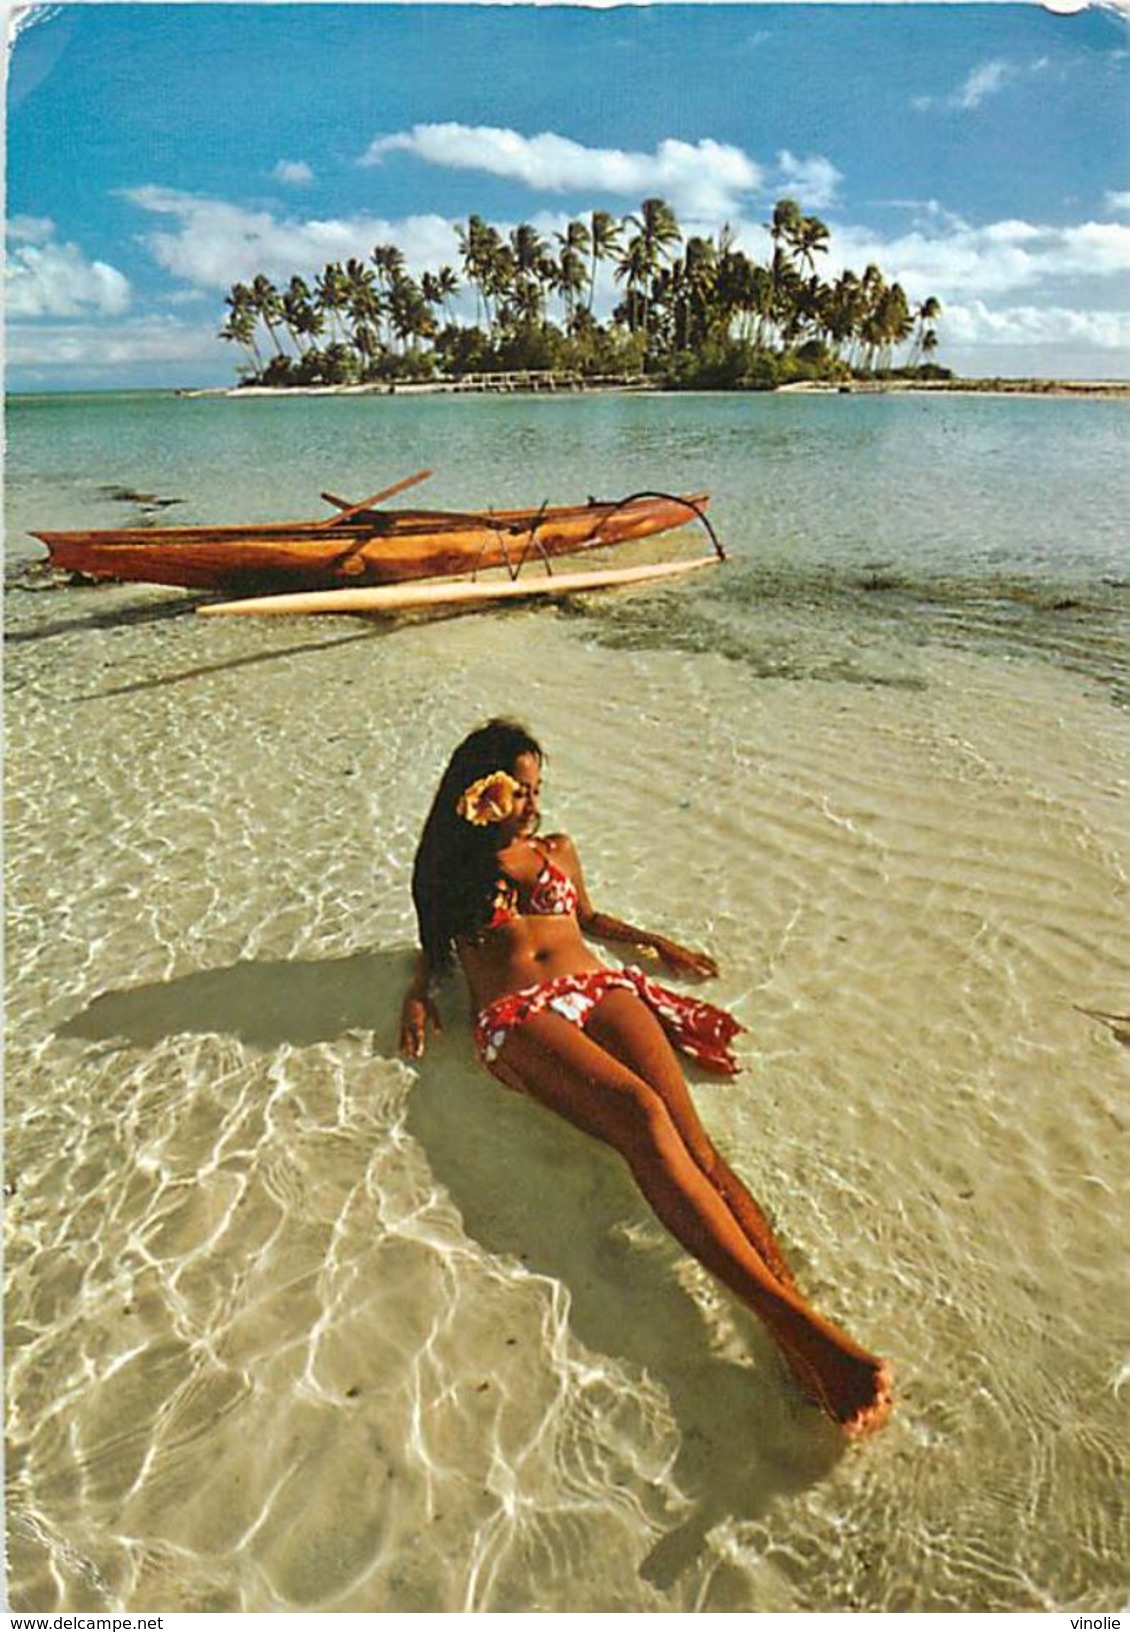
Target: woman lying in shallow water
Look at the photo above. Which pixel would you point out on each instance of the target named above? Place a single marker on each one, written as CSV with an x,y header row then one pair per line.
x,y
594,1043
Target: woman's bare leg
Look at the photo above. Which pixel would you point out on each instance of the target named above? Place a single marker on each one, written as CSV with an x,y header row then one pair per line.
x,y
624,1025
555,1063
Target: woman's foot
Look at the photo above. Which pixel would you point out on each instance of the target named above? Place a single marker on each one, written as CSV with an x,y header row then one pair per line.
x,y
856,1391
868,1419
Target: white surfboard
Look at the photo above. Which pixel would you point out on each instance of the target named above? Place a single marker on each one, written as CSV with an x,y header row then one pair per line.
x,y
450,592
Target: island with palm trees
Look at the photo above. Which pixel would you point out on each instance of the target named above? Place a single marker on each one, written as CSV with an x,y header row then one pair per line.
x,y
695,313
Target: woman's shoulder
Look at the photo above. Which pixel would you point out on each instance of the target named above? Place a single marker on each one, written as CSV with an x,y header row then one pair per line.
x,y
557,846
560,852
520,859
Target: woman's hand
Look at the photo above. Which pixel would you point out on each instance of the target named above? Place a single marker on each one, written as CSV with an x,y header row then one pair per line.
x,y
680,960
676,959
415,1017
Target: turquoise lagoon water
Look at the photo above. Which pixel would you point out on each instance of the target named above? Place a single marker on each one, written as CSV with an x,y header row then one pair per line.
x,y
969,518
291,1324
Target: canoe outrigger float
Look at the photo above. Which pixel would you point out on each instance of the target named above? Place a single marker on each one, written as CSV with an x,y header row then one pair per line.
x,y
365,550
451,591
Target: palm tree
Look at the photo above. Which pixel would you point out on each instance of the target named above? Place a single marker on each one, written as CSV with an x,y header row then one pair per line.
x,y
745,290
265,303
842,310
924,316
809,238
498,272
656,232
742,290
365,307
604,236
887,321
632,270
785,226
785,229
731,283
409,312
869,328
240,324
389,262
478,245
789,299
700,271
331,295
895,321
437,288
303,322
666,307
447,286
571,277
533,272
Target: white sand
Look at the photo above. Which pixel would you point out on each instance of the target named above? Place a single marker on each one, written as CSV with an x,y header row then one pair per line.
x,y
294,1325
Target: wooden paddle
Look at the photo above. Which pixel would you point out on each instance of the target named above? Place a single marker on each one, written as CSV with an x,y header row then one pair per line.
x,y
345,509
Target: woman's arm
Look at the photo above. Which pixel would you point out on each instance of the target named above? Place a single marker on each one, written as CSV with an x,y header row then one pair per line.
x,y
678,960
419,1007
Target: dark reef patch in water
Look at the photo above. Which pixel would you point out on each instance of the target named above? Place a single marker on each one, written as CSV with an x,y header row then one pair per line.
x,y
865,628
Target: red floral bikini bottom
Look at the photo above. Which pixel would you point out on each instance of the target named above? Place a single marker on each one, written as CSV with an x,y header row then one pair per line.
x,y
699,1029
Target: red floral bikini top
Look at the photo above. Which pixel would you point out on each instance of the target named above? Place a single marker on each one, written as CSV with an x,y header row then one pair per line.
x,y
552,895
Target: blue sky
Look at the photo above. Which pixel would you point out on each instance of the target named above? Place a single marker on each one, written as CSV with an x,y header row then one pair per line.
x,y
157,153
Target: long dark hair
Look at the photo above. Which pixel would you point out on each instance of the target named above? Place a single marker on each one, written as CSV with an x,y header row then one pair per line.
x,y
455,871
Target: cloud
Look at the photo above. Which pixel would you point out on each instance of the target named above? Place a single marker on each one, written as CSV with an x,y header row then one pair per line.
x,y
30,229
707,177
999,259
1007,283
294,172
977,324
1117,203
1094,249
812,182
930,213
46,278
149,340
215,244
982,82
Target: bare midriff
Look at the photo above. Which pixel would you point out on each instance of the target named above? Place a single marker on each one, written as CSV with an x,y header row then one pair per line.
x,y
524,952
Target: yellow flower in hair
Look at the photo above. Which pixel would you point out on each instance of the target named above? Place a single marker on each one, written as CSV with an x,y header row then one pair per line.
x,y
489,800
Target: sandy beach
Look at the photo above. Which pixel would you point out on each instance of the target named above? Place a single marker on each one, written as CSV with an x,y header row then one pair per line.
x,y
280,1306
1105,390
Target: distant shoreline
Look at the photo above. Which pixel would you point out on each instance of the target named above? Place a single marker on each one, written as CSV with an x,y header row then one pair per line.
x,y
979,387
522,382
988,386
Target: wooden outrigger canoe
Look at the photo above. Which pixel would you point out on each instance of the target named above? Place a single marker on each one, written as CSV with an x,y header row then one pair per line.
x,y
364,546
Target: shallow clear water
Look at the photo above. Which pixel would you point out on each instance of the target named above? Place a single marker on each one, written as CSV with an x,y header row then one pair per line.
x,y
291,1324
927,486
990,522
